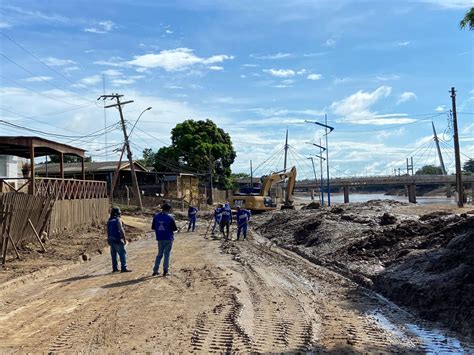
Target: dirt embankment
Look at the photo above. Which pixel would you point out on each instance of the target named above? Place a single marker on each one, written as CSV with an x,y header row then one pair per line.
x,y
421,260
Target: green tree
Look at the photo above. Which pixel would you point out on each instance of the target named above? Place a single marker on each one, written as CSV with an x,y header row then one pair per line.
x,y
196,145
148,158
68,159
430,170
469,166
468,20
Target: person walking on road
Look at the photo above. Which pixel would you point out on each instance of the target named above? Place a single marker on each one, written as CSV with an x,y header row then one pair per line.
x,y
164,226
117,241
243,217
226,220
192,216
217,217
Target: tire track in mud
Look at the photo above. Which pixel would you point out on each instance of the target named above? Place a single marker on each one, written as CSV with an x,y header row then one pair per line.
x,y
219,330
279,324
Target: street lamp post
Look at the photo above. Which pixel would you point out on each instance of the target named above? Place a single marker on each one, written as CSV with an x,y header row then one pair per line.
x,y
140,115
326,127
321,158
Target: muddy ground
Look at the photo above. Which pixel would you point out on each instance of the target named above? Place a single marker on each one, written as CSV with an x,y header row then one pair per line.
x,y
236,296
420,257
62,249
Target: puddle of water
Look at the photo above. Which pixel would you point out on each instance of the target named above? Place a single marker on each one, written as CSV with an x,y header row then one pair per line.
x,y
432,341
386,324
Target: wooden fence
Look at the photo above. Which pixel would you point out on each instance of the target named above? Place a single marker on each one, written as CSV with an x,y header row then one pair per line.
x,y
71,214
17,210
70,189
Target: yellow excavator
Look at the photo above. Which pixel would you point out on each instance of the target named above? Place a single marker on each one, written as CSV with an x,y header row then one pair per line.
x,y
263,201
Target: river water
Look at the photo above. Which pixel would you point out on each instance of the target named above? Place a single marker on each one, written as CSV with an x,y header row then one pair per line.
x,y
359,197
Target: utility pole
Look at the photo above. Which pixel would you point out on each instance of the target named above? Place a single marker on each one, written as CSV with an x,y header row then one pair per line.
x,y
211,195
126,142
286,151
327,158
251,177
315,176
457,151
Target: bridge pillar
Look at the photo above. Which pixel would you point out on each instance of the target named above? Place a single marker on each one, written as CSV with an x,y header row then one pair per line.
x,y
346,194
411,193
448,190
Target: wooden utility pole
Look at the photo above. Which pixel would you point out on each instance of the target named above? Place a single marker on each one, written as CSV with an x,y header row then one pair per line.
x,y
126,143
211,185
457,151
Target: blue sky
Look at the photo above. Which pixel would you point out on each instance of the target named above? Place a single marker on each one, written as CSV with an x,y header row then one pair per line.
x,y
380,70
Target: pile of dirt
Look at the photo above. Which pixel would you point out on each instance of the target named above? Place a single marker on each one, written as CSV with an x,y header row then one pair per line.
x,y
425,263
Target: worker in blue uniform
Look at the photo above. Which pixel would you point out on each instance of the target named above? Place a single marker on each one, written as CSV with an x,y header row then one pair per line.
x,y
164,226
217,217
117,241
192,216
243,217
226,220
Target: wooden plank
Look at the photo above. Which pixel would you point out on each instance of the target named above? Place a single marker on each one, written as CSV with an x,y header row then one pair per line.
x,y
36,234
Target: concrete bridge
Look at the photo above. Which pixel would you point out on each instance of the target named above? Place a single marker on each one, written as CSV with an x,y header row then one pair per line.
x,y
409,181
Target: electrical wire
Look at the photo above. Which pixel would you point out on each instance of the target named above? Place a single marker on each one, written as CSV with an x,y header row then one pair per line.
x,y
38,92
35,57
43,80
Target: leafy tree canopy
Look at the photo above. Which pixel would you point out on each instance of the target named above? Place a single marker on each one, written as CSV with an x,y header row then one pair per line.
x,y
430,170
469,166
468,20
196,145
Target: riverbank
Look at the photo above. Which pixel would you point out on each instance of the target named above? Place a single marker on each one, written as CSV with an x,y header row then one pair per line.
x,y
420,256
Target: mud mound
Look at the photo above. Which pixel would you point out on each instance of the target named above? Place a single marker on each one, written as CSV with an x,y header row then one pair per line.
x,y
312,206
425,263
438,283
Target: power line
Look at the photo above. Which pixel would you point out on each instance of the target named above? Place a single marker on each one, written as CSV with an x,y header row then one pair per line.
x,y
44,132
38,92
393,127
33,118
43,80
35,57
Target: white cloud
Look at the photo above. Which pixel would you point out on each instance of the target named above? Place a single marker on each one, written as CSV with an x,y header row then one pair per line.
x,y
440,108
169,32
250,65
469,129
101,27
112,72
127,81
56,62
356,108
4,25
330,42
301,71
388,77
406,96
38,78
451,4
403,44
216,68
280,73
89,81
175,59
278,55
73,68
314,77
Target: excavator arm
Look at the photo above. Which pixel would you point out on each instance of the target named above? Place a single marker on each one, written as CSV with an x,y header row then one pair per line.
x,y
277,177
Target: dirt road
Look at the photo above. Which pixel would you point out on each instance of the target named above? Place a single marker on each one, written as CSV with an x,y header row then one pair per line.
x,y
234,296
